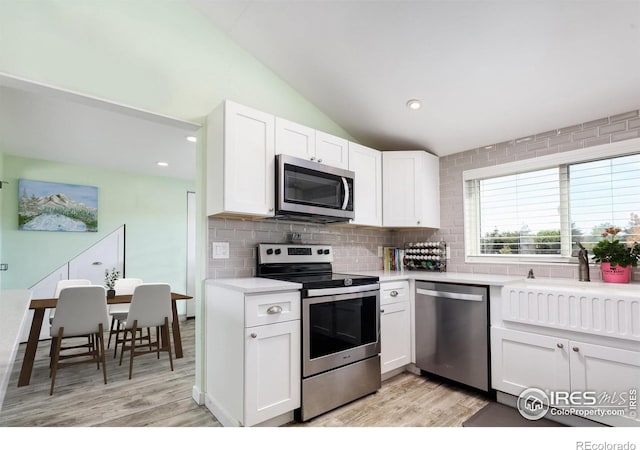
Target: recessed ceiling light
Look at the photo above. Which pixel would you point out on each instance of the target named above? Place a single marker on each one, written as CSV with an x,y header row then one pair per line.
x,y
162,163
414,104
192,139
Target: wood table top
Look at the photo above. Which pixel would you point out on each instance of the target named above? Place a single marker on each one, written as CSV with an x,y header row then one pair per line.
x,y
40,303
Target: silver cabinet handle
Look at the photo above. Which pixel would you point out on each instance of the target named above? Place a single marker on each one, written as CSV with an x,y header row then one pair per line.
x,y
320,160
275,309
253,335
270,209
382,311
393,293
96,263
418,222
559,345
576,349
313,158
451,295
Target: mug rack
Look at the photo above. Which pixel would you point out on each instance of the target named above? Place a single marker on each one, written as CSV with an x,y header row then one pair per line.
x,y
429,255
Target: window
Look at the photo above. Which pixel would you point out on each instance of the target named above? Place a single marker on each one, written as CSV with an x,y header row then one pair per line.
x,y
538,214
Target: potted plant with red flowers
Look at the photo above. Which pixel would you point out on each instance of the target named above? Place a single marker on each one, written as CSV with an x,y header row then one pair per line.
x,y
615,257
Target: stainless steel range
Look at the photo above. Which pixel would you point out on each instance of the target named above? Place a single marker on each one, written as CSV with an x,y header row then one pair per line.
x,y
340,325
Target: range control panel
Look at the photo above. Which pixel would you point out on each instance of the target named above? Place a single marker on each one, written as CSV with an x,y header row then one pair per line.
x,y
294,253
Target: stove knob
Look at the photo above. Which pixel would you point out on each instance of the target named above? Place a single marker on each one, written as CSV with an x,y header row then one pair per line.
x,y
278,251
269,251
326,251
319,251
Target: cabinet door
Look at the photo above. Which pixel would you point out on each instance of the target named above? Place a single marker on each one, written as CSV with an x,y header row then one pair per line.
x,y
395,336
366,163
522,360
249,161
332,150
608,372
399,193
295,139
429,191
272,371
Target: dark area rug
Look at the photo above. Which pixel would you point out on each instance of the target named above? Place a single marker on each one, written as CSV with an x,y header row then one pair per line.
x,y
499,415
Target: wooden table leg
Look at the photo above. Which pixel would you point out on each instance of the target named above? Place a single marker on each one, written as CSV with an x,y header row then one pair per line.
x,y
32,346
177,340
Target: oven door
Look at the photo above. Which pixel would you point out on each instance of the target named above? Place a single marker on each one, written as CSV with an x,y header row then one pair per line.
x,y
338,330
306,187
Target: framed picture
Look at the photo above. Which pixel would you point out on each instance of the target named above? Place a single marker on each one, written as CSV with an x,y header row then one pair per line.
x,y
46,206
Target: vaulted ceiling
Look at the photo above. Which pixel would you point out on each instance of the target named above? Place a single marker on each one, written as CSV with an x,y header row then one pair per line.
x,y
485,71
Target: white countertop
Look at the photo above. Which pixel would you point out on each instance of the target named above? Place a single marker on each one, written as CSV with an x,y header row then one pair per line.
x,y
444,277
254,285
14,306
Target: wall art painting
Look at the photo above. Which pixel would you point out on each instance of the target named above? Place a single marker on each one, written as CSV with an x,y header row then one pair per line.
x,y
46,206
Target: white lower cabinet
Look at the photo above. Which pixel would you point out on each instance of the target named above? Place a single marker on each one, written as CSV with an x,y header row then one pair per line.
x,y
520,360
395,325
272,374
252,356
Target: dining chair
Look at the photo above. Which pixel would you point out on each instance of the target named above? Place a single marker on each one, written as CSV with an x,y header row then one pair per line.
x,y
118,312
150,307
82,311
65,284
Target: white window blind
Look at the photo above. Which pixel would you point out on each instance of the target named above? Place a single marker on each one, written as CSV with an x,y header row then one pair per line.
x,y
602,194
520,214
540,213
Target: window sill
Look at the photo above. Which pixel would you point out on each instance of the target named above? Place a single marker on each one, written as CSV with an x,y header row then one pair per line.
x,y
522,259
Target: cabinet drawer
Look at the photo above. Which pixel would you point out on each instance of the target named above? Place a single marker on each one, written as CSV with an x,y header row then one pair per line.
x,y
277,307
394,291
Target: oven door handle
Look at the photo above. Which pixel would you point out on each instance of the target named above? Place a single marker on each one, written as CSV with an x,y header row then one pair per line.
x,y
341,290
347,193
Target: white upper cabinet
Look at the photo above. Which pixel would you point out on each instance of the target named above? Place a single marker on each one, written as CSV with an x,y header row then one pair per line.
x,y
332,150
240,161
303,142
411,189
295,140
366,163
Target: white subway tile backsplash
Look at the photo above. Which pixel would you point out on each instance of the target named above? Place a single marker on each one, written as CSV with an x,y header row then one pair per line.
x,y
625,135
613,128
624,116
354,248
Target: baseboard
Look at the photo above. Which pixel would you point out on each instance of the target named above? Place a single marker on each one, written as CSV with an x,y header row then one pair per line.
x,y
393,373
197,395
223,416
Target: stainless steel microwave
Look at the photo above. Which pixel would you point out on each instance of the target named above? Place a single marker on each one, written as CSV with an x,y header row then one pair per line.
x,y
314,192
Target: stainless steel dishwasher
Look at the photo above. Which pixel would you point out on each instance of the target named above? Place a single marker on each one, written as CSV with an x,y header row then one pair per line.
x,y
452,333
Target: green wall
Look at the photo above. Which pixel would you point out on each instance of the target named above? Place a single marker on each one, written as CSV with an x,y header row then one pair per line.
x,y
153,209
158,55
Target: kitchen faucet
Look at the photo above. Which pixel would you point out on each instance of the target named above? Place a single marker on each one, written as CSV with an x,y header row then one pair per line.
x,y
583,264
530,274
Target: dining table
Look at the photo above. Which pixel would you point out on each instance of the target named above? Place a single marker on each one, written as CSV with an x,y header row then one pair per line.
x,y
40,305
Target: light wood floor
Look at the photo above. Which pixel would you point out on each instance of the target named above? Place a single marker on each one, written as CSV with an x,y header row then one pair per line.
x,y
158,397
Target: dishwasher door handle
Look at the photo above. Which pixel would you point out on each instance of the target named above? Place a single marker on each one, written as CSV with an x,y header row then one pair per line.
x,y
451,295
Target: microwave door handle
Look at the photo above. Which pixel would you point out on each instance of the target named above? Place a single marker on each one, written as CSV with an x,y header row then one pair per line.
x,y
347,193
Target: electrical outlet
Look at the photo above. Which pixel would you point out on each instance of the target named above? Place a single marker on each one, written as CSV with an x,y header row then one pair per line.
x,y
220,250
